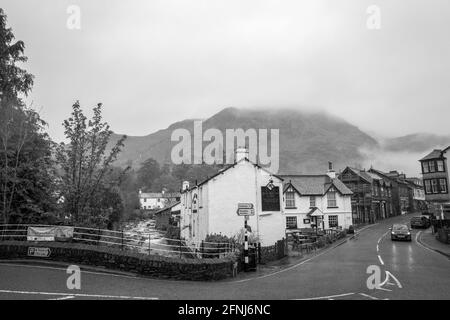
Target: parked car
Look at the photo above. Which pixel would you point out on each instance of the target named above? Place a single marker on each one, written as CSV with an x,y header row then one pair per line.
x,y
400,232
351,230
420,222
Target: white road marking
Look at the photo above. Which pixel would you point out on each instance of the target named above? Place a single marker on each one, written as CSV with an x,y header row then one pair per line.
x,y
384,289
369,296
378,248
419,234
85,295
381,260
328,297
64,298
386,281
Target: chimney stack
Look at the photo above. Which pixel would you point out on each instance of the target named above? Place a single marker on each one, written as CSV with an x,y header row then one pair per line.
x,y
185,185
331,173
241,153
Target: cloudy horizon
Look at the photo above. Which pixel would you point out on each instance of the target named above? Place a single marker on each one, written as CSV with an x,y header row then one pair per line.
x,y
152,63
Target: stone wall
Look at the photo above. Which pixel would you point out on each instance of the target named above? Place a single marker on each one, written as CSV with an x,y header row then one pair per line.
x,y
272,253
148,265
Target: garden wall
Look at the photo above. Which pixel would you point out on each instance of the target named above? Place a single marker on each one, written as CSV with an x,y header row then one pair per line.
x,y
148,265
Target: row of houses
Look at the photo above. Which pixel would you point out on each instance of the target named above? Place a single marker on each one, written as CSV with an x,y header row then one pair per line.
x,y
379,195
280,204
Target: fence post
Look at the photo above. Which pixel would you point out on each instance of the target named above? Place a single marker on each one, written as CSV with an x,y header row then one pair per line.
x,y
149,244
202,249
180,247
122,239
98,236
259,252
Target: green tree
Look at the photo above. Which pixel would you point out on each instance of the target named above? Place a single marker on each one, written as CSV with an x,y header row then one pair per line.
x,y
14,80
148,173
26,180
86,162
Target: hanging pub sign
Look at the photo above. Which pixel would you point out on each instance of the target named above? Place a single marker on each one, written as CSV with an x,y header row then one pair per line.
x,y
270,198
195,203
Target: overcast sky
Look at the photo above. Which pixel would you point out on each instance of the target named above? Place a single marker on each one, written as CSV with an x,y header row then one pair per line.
x,y
152,62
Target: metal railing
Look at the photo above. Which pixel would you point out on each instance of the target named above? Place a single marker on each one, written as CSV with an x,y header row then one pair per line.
x,y
126,240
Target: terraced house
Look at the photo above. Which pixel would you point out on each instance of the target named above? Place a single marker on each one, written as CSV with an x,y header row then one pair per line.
x,y
401,190
316,201
435,168
372,195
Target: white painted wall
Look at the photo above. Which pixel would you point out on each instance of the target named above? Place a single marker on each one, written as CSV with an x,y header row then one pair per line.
x,y
218,201
343,210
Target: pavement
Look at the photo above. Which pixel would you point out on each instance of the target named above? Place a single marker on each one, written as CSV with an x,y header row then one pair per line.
x,y
368,266
428,239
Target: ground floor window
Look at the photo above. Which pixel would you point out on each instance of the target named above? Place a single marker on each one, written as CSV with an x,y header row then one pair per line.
x,y
291,222
332,221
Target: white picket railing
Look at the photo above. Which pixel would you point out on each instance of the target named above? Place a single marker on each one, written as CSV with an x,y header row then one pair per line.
x,y
128,241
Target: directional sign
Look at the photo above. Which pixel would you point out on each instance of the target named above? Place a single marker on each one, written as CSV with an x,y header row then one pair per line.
x,y
246,212
245,205
39,252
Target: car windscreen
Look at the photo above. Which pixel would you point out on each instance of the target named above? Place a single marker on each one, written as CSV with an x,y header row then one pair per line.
x,y
400,227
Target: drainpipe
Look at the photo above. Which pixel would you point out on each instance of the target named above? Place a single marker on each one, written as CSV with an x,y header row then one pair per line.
x,y
257,203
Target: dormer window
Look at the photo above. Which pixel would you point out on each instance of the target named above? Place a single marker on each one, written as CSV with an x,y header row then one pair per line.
x,y
290,198
312,202
331,198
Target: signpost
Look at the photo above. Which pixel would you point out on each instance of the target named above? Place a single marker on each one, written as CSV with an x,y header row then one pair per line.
x,y
245,210
39,252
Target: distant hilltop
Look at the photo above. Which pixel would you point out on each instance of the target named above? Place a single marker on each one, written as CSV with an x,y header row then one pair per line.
x,y
308,140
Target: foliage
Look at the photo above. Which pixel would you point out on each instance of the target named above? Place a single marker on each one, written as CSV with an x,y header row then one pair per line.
x,y
87,190
13,79
27,175
147,173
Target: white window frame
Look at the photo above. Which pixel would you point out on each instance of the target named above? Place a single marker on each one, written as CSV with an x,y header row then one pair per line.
x,y
290,202
312,202
335,219
330,202
292,218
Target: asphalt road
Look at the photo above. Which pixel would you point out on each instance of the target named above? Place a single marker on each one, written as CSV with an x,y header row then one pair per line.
x,y
407,271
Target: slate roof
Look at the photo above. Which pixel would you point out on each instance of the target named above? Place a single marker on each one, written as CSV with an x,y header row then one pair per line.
x,y
314,184
386,176
435,154
159,195
168,207
228,168
370,176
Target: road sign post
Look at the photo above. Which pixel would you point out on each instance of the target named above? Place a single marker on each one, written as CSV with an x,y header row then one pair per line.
x,y
246,245
245,210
